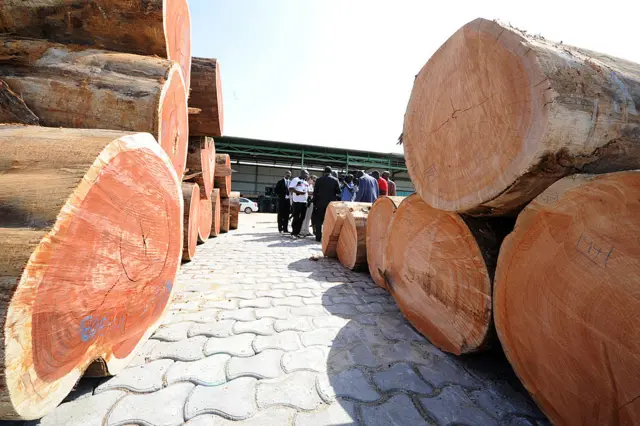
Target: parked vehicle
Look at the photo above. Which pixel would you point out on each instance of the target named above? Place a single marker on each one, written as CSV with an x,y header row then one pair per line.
x,y
248,206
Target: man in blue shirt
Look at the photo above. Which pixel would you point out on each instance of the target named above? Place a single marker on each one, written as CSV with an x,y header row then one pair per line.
x,y
367,188
348,190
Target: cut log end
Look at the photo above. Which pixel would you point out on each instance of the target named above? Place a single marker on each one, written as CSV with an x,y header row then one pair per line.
x,y
201,162
352,243
223,182
332,225
225,215
177,26
191,194
205,220
566,302
436,273
377,233
174,132
94,282
206,117
215,212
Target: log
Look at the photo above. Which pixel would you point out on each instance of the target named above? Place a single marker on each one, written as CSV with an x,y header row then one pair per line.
x,y
497,115
352,243
332,225
206,116
215,212
151,27
90,224
205,219
439,270
566,299
234,212
201,163
223,180
378,223
191,220
225,215
66,86
13,109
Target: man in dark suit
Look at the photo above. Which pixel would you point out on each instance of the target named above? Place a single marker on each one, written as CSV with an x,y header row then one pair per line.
x,y
284,205
326,190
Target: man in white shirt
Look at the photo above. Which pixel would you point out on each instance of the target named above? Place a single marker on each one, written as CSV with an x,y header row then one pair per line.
x,y
299,189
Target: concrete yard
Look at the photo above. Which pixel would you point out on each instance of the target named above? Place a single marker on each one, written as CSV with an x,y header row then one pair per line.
x,y
261,334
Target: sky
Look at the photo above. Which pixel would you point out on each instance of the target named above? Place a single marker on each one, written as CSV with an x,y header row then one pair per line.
x,y
339,72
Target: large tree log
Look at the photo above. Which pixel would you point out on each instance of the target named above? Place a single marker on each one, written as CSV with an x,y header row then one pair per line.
x,y
215,212
222,179
566,299
205,221
13,109
201,163
234,212
90,224
225,215
206,115
439,269
191,219
352,243
66,86
497,115
378,223
151,27
332,225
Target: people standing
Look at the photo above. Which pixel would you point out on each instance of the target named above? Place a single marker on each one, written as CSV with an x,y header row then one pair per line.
x,y
348,190
391,184
326,190
383,188
284,204
306,223
367,188
299,189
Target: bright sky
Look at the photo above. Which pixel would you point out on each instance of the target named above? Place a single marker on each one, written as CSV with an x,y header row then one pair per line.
x,y
339,72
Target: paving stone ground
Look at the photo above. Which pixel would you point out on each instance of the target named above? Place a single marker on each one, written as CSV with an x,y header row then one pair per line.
x,y
261,334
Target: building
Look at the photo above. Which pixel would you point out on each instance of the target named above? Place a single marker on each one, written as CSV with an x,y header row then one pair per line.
x,y
257,164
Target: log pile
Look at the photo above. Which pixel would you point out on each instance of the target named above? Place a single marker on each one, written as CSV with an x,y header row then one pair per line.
x,y
234,212
503,125
66,194
333,222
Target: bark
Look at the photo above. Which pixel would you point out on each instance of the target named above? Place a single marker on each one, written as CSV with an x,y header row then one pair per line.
x,y
89,224
152,27
333,220
234,212
225,215
352,243
378,223
12,108
439,269
566,302
191,220
206,110
66,86
497,115
215,212
223,180
201,163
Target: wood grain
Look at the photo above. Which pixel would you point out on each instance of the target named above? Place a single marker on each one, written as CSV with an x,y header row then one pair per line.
x,y
201,163
352,243
191,220
225,214
378,223
223,181
207,116
215,212
332,225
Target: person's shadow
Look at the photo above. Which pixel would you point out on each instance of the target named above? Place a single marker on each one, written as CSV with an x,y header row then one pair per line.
x,y
382,371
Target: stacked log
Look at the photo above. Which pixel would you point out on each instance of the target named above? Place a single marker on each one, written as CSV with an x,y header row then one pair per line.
x,y
201,163
205,103
225,215
378,223
566,300
223,175
497,115
191,219
71,86
215,212
333,221
66,195
153,28
12,108
352,242
234,212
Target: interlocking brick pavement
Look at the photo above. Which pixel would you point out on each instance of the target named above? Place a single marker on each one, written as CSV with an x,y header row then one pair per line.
x,y
264,332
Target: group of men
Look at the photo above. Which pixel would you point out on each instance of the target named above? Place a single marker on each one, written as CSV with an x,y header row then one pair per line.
x,y
303,194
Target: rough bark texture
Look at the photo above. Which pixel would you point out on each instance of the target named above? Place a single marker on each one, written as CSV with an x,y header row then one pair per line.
x,y
205,220
215,212
377,233
497,115
222,179
206,110
352,243
151,27
191,220
12,108
439,269
201,163
225,215
90,224
234,212
333,220
66,86
566,299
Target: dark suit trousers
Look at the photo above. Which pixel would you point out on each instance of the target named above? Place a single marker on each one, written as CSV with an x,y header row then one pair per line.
x,y
299,210
318,214
284,207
